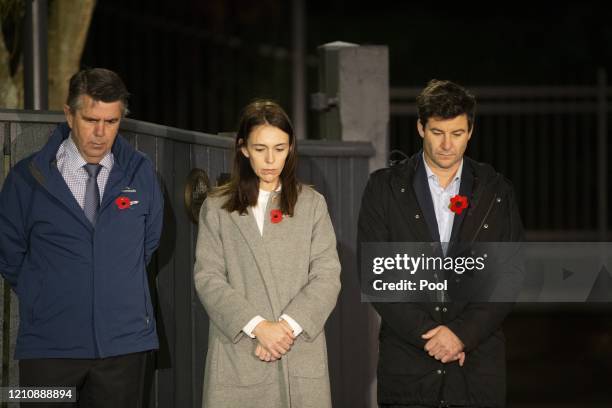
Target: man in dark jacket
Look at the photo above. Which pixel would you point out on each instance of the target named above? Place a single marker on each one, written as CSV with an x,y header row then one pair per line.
x,y
79,221
450,353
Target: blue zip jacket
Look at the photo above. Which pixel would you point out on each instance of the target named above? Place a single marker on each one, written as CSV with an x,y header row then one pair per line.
x,y
83,291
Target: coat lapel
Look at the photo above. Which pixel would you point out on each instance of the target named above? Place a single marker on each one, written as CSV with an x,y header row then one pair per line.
x,y
482,201
115,183
57,187
465,189
403,190
423,195
43,168
248,228
412,214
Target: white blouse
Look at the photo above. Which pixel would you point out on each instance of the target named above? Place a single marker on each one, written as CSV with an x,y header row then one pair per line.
x,y
260,208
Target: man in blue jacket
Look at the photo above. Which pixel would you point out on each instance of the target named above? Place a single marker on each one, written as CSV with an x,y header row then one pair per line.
x,y
79,222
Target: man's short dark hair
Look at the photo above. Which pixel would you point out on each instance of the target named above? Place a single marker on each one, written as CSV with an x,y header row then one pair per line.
x,y
446,100
98,83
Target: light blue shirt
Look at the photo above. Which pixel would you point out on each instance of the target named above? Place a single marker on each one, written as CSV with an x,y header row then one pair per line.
x,y
441,199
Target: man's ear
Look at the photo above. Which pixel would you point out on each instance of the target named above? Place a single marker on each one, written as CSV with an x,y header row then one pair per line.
x,y
420,128
69,116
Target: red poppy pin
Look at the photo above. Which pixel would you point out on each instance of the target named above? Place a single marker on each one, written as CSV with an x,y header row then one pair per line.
x,y
458,203
276,216
123,203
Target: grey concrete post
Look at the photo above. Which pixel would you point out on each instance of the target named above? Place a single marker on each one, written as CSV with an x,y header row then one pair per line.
x,y
353,104
353,100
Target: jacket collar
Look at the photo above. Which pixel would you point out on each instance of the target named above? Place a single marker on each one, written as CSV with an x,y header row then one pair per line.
x,y
124,154
44,169
476,180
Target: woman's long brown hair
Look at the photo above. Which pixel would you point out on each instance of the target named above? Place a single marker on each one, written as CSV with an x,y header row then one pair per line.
x,y
242,190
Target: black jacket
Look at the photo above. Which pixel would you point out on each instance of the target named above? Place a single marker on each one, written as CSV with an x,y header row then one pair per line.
x,y
397,207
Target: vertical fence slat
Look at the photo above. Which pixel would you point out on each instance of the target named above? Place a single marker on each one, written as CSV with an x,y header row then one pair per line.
x,y
602,156
166,361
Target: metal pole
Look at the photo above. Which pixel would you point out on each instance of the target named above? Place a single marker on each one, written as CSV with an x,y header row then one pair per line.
x,y
602,157
299,63
6,290
35,56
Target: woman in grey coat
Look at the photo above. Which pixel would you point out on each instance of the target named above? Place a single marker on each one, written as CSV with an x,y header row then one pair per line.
x,y
267,273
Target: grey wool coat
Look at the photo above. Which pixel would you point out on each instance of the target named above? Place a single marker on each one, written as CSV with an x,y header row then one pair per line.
x,y
239,274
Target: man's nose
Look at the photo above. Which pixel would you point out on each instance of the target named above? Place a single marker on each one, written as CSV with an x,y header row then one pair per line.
x,y
100,129
446,142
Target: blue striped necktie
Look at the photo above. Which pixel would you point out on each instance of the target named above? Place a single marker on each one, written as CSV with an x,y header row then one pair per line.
x,y
91,203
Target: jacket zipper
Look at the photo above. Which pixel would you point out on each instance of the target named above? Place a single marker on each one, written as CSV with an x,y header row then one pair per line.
x,y
97,348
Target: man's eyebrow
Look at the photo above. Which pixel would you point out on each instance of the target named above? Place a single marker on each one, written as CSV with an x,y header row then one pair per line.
x,y
96,119
435,129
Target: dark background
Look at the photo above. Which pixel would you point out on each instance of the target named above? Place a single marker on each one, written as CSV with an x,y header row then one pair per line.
x,y
194,64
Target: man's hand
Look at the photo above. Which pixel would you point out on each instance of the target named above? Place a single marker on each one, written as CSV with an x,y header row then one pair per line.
x,y
274,337
444,345
460,357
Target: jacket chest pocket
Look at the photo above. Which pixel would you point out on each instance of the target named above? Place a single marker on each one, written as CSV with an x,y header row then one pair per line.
x,y
495,223
127,214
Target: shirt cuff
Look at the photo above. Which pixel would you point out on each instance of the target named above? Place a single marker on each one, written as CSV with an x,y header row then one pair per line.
x,y
250,326
297,329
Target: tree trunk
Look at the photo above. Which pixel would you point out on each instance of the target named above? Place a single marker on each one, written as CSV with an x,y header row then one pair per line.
x,y
68,26
9,93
